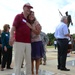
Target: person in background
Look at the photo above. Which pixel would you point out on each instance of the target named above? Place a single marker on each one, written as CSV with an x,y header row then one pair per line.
x,y
36,42
69,22
69,19
72,40
0,49
62,34
45,41
69,48
6,48
22,43
55,43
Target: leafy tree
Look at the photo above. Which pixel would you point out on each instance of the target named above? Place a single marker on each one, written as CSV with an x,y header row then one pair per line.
x,y
74,36
51,38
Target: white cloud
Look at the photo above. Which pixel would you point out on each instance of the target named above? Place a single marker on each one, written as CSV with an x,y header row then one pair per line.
x,y
47,14
71,10
46,11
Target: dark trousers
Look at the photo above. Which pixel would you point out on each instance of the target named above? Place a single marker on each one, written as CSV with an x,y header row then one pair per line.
x,y
55,45
0,54
44,54
7,58
62,45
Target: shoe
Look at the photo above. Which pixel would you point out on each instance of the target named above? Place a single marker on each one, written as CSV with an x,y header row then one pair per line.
x,y
44,63
58,68
21,66
64,69
9,68
2,69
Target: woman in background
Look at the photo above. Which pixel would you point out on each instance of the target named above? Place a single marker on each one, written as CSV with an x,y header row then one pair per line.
x,y
0,49
6,48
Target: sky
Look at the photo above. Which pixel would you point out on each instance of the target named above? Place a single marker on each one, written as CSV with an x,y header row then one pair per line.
x,y
46,12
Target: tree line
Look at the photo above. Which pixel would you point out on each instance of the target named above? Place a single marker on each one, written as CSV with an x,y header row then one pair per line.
x,y
52,38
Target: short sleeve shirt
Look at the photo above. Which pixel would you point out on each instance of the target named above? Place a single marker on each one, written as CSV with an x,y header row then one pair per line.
x,y
61,31
22,32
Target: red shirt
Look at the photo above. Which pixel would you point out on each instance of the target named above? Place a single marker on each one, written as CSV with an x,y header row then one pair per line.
x,y
22,33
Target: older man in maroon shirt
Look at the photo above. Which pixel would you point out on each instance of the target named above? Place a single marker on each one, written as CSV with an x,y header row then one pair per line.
x,y
22,44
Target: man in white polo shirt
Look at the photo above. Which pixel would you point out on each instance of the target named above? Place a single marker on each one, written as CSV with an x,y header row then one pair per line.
x,y
62,35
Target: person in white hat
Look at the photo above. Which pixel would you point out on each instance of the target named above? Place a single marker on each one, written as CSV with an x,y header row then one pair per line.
x,y
22,41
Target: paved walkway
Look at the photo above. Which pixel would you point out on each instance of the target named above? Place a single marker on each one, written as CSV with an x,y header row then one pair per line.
x,y
51,67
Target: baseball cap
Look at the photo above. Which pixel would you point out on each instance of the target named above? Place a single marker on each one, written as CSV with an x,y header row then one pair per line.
x,y
27,5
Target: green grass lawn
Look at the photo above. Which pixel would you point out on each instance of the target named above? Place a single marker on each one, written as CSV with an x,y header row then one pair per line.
x,y
50,46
